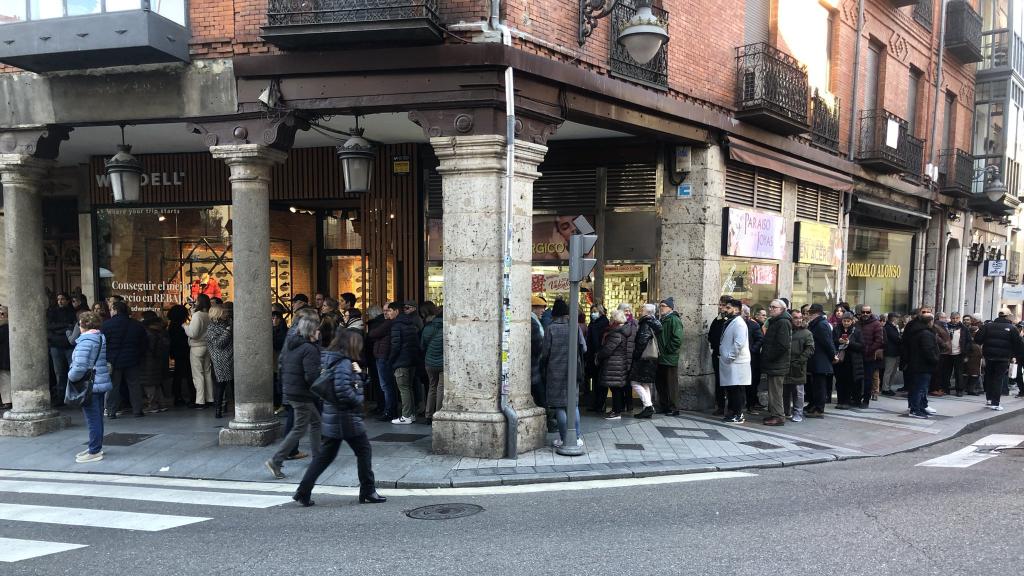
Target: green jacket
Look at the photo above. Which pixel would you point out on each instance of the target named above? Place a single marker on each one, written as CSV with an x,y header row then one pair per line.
x,y
432,343
800,351
670,339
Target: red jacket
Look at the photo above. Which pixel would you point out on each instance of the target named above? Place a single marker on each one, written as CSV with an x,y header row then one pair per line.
x,y
874,337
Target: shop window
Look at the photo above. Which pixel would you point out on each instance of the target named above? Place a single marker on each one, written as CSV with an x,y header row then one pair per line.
x,y
756,285
814,284
435,284
552,282
749,186
627,283
347,274
878,269
631,185
343,230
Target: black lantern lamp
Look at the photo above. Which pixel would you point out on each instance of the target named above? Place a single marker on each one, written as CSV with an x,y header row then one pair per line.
x,y
357,157
643,35
994,188
125,173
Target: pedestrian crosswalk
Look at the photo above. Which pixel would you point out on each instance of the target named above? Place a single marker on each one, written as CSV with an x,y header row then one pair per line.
x,y
980,451
15,514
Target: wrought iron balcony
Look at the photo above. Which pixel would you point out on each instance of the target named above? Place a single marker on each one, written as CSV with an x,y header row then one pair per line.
x,y
883,141
963,31
912,152
54,35
825,120
956,173
653,73
924,13
298,24
771,89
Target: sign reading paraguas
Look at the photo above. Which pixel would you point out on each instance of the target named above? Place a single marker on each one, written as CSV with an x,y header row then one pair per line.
x,y
751,234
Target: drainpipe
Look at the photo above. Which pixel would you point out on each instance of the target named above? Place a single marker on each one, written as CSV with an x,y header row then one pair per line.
x,y
940,263
856,78
511,418
933,145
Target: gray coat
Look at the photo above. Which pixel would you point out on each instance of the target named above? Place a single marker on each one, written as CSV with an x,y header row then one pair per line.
x,y
555,361
734,354
220,342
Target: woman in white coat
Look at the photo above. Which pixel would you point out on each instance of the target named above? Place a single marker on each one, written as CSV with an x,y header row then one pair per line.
x,y
734,361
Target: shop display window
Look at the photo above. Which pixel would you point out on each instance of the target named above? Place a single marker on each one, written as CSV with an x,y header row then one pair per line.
x,y
552,283
343,230
347,274
627,283
158,257
878,268
755,284
814,284
435,284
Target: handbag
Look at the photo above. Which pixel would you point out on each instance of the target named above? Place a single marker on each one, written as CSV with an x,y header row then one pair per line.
x,y
323,386
79,392
651,352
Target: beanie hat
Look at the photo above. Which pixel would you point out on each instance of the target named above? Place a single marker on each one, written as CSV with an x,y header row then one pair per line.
x,y
816,309
538,301
669,302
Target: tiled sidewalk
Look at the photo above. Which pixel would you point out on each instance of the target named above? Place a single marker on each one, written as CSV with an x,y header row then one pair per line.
x,y
183,443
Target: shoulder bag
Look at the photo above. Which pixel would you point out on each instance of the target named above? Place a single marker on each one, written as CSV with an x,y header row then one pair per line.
x,y
651,352
79,392
323,386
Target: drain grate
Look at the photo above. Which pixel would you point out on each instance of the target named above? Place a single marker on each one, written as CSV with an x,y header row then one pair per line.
x,y
760,445
629,446
122,439
811,445
444,511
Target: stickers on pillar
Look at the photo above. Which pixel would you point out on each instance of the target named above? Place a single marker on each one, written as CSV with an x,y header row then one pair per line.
x,y
684,190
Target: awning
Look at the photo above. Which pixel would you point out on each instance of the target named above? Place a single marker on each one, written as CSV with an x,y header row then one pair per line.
x,y
748,153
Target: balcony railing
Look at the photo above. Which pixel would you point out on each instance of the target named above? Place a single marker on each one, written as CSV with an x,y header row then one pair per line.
x,y
956,172
912,152
883,141
56,35
825,120
771,89
653,73
295,24
924,13
963,31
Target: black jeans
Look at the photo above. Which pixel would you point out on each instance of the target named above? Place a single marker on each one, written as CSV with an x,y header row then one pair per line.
x,y
127,378
218,391
755,382
950,366
619,403
995,375
181,382
328,452
816,394
719,391
736,395
848,389
667,385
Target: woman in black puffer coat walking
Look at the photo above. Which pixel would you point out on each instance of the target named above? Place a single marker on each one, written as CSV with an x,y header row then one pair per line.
x,y
343,420
644,371
615,358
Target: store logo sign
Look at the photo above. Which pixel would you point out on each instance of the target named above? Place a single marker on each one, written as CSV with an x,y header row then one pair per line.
x,y
751,234
150,179
816,244
873,270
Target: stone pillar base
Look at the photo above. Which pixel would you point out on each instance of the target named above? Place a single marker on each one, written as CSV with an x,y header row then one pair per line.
x,y
482,434
33,427
251,435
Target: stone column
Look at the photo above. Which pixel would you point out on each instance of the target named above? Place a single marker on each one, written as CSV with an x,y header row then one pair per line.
x,y
22,177
472,169
254,423
691,247
787,267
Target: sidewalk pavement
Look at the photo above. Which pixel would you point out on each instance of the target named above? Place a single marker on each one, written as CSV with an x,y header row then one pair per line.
x,y
183,444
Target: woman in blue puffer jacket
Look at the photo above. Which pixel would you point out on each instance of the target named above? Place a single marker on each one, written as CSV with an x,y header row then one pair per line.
x,y
91,352
342,420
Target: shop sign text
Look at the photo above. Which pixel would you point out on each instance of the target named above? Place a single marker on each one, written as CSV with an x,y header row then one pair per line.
x,y
873,270
755,234
816,244
149,179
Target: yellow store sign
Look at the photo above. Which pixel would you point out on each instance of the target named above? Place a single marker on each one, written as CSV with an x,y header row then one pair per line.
x,y
816,244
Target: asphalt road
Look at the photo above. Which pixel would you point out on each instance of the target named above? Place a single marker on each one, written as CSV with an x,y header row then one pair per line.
x,y
870,516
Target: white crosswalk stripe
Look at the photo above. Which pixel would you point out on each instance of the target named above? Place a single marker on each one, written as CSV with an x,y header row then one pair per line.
x,y
198,497
17,550
94,518
982,450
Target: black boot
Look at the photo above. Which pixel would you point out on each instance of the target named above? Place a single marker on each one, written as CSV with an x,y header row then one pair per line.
x,y
371,498
303,499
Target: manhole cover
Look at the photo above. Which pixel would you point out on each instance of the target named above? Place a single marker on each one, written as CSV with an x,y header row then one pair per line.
x,y
443,511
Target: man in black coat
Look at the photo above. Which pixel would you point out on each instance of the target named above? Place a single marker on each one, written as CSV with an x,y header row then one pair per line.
x,y
920,356
756,337
820,365
715,341
404,355
126,345
775,359
60,320
999,341
891,348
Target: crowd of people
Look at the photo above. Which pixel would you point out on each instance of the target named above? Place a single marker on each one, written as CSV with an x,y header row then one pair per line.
x,y
780,361
796,356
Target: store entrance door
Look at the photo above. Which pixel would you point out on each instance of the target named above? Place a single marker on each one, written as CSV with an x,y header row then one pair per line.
x,y
342,262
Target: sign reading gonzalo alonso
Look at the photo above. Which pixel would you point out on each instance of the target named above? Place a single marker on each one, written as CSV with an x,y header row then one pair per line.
x,y
873,270
750,234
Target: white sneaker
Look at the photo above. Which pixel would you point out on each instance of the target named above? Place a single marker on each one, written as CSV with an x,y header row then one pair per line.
x,y
82,453
930,410
579,442
997,408
988,402
404,420
797,417
89,457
